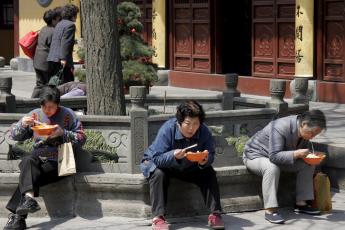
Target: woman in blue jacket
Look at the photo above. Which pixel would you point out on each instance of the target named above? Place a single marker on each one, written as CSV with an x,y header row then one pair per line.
x,y
165,158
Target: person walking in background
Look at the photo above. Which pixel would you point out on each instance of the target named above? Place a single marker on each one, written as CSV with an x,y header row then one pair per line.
x,y
51,18
281,146
61,49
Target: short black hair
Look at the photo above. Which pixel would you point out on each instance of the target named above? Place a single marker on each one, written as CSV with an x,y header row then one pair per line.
x,y
48,17
49,94
313,118
190,108
57,11
69,11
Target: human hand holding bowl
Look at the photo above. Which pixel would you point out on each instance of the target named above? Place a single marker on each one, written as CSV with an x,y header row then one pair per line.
x,y
58,131
300,153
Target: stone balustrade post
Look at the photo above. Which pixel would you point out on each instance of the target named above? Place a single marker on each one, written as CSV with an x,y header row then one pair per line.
x,y
2,61
231,81
301,87
139,127
277,92
7,100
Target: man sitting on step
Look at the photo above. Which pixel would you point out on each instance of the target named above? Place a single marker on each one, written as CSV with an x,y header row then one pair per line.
x,y
166,158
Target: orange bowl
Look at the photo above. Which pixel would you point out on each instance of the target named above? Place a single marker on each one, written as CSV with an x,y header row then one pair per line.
x,y
316,159
43,130
196,156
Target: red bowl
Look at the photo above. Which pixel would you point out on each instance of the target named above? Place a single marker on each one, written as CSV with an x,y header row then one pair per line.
x,y
314,160
196,156
43,130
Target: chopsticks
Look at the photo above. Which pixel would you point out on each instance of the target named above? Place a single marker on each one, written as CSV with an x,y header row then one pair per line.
x,y
189,147
312,146
38,122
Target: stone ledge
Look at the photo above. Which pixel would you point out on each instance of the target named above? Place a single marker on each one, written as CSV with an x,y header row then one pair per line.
x,y
107,194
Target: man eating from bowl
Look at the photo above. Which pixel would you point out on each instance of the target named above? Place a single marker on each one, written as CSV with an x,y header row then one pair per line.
x,y
41,167
166,158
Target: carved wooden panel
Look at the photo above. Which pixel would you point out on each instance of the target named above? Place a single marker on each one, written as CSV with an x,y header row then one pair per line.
x,y
334,40
286,41
191,45
183,39
273,38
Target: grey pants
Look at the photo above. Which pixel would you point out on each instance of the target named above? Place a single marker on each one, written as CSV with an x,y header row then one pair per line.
x,y
270,173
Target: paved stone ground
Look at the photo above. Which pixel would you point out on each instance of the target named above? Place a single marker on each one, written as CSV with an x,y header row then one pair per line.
x,y
234,221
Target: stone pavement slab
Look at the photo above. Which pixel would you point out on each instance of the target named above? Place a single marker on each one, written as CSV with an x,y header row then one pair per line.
x,y
234,221
23,83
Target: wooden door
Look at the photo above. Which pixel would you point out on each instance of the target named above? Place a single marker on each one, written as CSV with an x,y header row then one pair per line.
x,y
190,38
334,40
273,34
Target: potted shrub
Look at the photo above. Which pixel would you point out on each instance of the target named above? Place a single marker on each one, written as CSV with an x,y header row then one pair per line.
x,y
138,68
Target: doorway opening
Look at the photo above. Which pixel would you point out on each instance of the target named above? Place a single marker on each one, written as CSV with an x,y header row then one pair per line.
x,y
236,24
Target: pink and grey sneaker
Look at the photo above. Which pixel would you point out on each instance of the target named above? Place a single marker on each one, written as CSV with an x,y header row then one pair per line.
x,y
159,223
215,221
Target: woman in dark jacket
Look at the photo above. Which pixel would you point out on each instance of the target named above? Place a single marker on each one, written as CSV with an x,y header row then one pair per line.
x,y
61,52
282,145
51,18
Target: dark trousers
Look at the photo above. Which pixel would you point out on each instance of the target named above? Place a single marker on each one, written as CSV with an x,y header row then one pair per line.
x,y
205,179
42,79
34,173
54,68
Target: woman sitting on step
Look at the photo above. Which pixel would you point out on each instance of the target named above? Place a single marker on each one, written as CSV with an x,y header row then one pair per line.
x,y
166,158
41,167
282,145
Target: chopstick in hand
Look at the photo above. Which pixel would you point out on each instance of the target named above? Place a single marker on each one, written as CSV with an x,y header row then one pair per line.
x,y
189,147
38,122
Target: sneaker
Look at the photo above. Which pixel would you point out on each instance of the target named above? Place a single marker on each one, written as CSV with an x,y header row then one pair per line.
x,y
15,222
29,205
159,223
215,221
274,218
308,209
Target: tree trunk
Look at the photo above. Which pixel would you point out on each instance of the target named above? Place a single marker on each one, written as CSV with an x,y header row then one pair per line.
x,y
103,61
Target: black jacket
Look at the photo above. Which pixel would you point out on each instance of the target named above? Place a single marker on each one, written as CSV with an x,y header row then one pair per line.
x,y
42,49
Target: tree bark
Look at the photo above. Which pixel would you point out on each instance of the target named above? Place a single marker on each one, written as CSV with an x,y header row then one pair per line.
x,y
103,61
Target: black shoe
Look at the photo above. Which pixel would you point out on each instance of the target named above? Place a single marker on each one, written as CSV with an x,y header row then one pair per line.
x,y
15,222
274,218
29,205
307,209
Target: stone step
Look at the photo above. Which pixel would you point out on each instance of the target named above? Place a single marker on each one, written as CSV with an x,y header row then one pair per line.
x,y
109,194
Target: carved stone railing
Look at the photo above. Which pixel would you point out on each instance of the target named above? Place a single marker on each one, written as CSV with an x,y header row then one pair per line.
x,y
131,135
301,87
228,100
